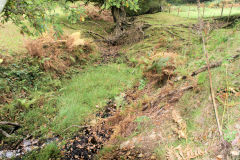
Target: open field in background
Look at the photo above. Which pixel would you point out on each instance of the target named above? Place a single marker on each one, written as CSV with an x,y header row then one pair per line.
x,y
57,103
11,40
192,11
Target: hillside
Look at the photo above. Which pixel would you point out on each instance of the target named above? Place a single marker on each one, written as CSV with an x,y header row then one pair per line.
x,y
145,96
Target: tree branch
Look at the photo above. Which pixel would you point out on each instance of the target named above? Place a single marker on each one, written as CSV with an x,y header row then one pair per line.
x,y
5,133
9,123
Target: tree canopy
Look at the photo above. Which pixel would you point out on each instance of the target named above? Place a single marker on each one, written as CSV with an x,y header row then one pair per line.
x,y
34,16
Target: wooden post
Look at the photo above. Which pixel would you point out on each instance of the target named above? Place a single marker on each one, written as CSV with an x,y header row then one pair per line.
x,y
230,13
188,11
178,11
222,9
169,9
203,9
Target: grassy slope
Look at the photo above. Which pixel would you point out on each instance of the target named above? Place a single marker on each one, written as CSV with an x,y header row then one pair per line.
x,y
195,107
88,89
79,97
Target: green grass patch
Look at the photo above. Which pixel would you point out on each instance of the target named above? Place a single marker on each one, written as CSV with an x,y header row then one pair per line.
x,y
93,87
51,151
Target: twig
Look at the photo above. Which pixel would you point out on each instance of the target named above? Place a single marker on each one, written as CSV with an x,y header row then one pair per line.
x,y
9,123
75,126
209,71
5,133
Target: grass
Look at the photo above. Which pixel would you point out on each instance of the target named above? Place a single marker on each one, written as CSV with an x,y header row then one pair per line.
x,y
93,87
51,151
192,12
11,41
195,106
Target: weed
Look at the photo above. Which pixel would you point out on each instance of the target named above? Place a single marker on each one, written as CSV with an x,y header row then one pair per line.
x,y
229,135
142,84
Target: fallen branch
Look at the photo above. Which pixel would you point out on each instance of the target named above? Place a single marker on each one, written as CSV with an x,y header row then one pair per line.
x,y
203,34
90,32
5,133
80,127
9,123
212,65
15,127
96,34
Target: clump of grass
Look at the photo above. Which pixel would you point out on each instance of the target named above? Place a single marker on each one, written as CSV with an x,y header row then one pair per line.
x,y
51,151
93,87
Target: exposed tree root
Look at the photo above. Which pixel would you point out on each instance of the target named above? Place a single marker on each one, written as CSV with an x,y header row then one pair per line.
x,y
169,94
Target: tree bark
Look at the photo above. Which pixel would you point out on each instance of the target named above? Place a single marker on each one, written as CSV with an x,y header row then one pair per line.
x,y
119,16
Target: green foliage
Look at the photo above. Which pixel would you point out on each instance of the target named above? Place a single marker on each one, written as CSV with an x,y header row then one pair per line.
x,y
142,119
51,151
159,64
229,135
20,75
147,6
132,4
202,78
142,84
34,17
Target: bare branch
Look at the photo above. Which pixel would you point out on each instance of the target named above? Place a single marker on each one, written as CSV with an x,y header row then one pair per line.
x,y
9,123
5,133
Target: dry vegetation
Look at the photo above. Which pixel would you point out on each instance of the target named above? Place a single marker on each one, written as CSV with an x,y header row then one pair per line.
x,y
167,114
59,54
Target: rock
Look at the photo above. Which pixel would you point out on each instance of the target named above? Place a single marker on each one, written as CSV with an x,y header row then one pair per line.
x,y
124,144
219,157
235,153
75,40
140,155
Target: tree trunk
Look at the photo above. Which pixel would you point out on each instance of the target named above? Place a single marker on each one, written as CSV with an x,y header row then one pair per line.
x,y
119,17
